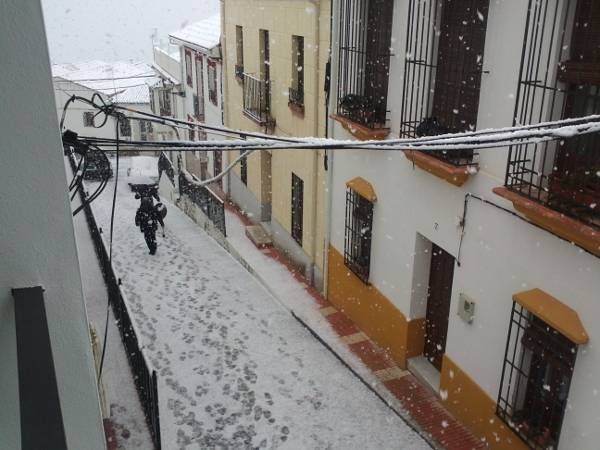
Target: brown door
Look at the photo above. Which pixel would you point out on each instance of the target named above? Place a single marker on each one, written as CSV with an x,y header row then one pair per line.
x,y
438,305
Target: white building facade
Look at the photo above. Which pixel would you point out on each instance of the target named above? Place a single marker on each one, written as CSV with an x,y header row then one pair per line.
x,y
201,71
478,272
121,83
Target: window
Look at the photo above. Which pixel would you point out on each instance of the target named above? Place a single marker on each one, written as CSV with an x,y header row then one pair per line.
x,y
145,130
125,127
257,91
164,102
536,377
212,82
364,59
297,207
199,97
153,101
88,119
239,52
192,134
296,95
562,176
188,68
442,72
357,236
244,170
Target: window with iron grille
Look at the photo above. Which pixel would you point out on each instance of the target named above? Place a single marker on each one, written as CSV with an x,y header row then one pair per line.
x,y
244,170
297,208
558,80
125,127
442,72
145,130
164,102
189,68
212,82
199,98
296,94
538,366
363,60
239,52
357,235
88,119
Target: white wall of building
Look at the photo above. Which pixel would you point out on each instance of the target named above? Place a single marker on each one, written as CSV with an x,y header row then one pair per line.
x,y
501,254
37,241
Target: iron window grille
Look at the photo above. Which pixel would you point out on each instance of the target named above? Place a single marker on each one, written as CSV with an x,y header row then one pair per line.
x,y
188,68
125,127
199,97
357,236
296,92
164,102
536,377
442,72
244,170
559,78
146,130
239,52
88,119
257,99
364,60
212,82
297,208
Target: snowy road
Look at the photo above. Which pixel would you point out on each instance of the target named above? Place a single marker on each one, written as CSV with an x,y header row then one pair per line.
x,y
235,369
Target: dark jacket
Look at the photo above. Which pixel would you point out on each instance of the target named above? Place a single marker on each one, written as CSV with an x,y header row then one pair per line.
x,y
147,216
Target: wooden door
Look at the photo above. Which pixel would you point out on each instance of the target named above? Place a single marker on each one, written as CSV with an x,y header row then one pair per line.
x,y
438,305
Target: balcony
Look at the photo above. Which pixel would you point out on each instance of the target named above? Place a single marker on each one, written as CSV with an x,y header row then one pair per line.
x,y
257,100
363,70
558,187
296,100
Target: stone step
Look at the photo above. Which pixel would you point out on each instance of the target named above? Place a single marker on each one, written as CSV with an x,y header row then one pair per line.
x,y
258,236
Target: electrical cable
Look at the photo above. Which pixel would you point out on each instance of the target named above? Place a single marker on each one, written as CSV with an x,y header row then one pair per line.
x,y
110,249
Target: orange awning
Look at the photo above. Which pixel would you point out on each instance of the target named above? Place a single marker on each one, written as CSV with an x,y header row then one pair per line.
x,y
555,313
363,188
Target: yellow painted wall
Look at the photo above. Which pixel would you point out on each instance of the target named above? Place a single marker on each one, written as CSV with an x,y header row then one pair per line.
x,y
373,312
473,407
283,19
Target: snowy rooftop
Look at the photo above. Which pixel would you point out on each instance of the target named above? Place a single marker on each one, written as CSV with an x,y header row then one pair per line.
x,y
205,34
123,82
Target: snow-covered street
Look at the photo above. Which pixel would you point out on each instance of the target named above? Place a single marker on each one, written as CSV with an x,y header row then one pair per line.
x,y
235,369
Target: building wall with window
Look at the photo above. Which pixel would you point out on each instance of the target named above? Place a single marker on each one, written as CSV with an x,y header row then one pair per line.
x,y
200,55
279,50
420,206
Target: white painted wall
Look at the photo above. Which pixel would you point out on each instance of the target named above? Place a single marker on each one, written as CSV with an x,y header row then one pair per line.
x,y
37,241
501,254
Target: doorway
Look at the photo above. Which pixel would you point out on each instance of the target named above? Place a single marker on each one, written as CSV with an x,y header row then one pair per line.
x,y
441,274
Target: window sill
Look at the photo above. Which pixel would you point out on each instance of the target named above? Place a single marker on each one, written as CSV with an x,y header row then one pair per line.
x,y
361,132
455,175
296,108
570,229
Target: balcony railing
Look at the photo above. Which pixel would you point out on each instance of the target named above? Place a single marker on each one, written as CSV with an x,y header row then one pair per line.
x,y
564,177
296,97
257,99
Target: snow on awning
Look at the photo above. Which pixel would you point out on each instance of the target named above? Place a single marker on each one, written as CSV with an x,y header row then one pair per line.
x,y
363,188
555,313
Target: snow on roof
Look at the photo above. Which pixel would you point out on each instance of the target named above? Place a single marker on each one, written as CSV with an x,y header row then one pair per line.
x,y
205,34
122,82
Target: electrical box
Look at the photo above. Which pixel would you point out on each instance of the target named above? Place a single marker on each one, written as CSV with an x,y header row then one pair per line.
x,y
466,307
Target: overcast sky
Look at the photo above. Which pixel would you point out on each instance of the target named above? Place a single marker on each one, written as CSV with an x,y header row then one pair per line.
x,y
81,30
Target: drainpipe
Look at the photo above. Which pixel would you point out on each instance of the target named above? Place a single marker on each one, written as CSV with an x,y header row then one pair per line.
x,y
329,156
317,52
224,90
